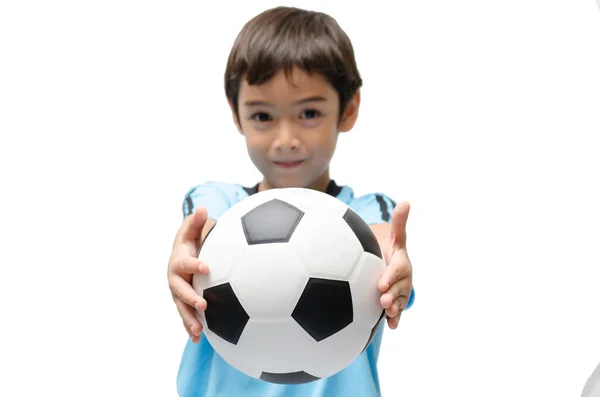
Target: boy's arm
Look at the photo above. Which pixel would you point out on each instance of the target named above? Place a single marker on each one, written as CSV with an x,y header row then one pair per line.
x,y
388,220
183,264
202,204
396,281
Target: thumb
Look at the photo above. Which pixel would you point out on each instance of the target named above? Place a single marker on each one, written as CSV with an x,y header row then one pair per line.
x,y
398,225
192,232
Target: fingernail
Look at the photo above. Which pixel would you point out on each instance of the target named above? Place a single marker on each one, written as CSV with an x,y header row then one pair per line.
x,y
201,267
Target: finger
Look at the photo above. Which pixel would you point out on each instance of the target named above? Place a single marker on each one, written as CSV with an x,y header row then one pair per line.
x,y
393,321
185,317
398,224
191,323
183,290
399,289
398,269
193,230
396,307
190,265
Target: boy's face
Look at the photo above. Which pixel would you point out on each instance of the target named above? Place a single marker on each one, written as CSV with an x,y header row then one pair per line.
x,y
291,126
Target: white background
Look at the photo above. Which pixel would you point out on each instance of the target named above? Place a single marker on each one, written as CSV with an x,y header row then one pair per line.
x,y
484,115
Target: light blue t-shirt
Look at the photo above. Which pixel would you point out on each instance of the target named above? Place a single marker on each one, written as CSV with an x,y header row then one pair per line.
x,y
203,373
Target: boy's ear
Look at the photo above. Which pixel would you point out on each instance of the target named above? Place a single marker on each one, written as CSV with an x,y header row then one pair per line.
x,y
235,118
350,113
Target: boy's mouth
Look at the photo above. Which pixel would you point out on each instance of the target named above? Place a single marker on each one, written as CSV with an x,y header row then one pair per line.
x,y
288,164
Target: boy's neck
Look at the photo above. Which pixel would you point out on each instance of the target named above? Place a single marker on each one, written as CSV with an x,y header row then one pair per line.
x,y
321,184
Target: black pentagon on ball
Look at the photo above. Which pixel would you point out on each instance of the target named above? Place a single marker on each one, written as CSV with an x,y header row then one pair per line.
x,y
290,378
363,232
324,308
374,330
224,313
271,222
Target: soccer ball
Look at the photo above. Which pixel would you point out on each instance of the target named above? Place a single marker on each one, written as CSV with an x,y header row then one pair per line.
x,y
292,291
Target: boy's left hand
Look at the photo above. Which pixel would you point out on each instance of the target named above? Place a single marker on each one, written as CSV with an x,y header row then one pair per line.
x,y
396,281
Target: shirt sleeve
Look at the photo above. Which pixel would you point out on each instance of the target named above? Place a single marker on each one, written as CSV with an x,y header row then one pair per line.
x,y
216,197
377,208
374,208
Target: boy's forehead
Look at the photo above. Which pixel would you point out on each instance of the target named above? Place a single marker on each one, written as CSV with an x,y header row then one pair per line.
x,y
294,85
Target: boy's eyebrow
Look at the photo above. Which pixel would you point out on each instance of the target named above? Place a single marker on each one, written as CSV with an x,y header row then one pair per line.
x,y
316,98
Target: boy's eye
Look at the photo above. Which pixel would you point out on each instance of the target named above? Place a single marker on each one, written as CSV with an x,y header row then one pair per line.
x,y
310,114
261,117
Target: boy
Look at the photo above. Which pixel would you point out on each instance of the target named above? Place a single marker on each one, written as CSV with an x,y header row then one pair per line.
x,y
292,84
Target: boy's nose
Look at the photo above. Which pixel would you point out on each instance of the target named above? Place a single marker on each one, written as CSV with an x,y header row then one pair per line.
x,y
286,140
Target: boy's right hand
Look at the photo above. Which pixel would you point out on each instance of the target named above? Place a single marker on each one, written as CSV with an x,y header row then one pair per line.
x,y
183,264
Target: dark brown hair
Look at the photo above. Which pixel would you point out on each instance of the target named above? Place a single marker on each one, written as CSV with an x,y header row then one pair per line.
x,y
282,38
